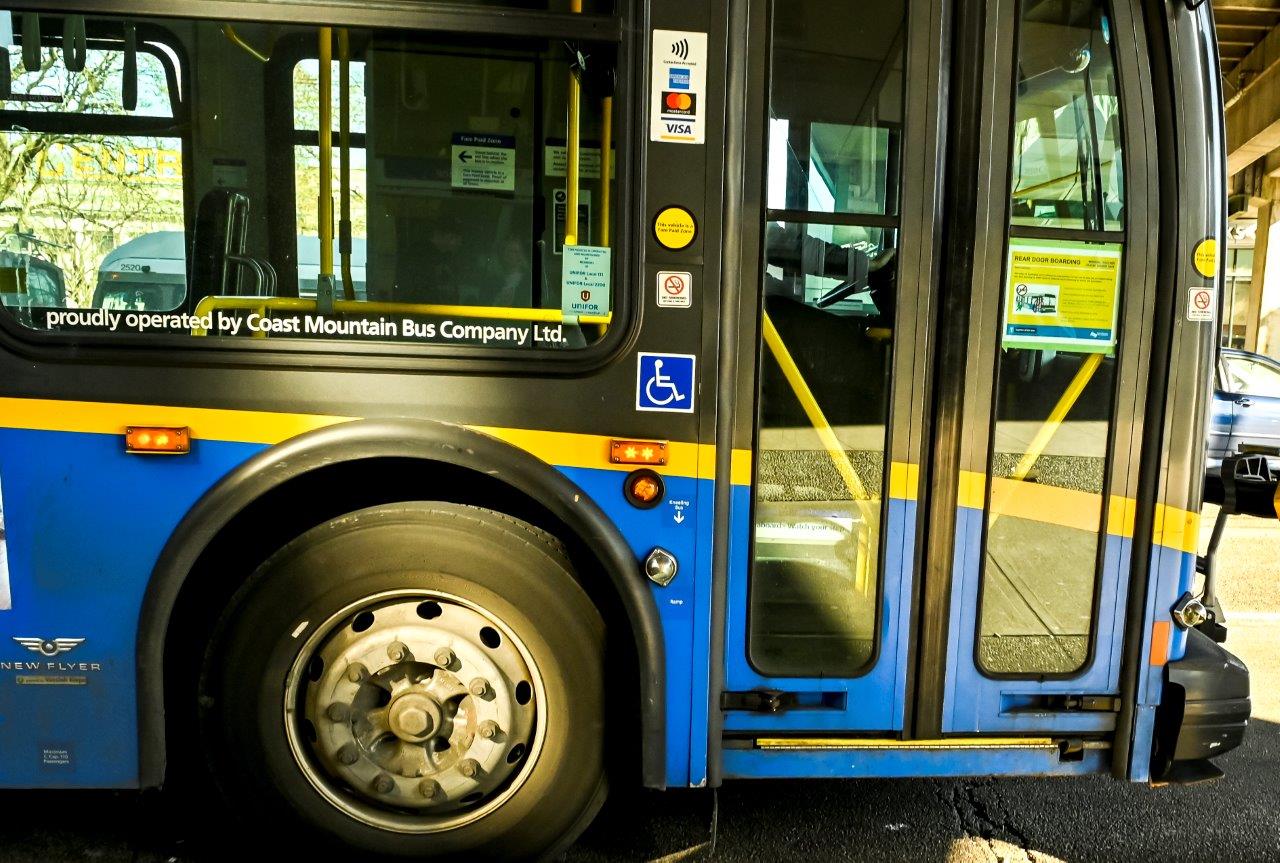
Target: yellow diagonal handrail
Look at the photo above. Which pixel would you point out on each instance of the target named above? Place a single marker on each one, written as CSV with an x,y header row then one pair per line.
x,y
831,443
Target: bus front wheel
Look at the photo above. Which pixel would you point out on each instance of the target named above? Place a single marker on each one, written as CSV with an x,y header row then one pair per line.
x,y
419,679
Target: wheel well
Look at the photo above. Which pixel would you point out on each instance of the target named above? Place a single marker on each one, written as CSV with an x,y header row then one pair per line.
x,y
312,498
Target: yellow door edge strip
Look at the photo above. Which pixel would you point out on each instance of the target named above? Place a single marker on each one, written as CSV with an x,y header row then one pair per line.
x,y
904,481
1177,528
818,743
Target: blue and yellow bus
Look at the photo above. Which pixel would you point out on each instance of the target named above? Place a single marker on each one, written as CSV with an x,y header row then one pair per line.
x,y
727,390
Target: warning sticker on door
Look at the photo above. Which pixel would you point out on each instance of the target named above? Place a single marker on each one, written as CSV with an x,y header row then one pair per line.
x,y
675,290
484,162
679,87
1200,305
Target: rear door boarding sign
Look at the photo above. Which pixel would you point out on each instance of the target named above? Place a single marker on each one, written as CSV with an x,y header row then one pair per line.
x,y
679,87
1062,295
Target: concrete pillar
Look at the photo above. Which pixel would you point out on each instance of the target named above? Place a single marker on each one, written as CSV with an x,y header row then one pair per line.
x,y
1261,244
1266,281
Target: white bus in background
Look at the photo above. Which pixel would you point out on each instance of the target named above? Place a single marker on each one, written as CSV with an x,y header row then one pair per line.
x,y
149,273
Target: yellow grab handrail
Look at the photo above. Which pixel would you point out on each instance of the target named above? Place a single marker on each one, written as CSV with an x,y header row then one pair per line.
x,y
305,304
1059,413
831,443
1044,435
344,161
573,147
325,208
606,168
235,39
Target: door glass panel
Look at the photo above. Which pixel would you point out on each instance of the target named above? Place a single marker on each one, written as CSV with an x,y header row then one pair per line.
x,y
830,282
1055,382
1067,165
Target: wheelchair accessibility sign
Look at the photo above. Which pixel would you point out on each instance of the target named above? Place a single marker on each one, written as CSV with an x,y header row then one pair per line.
x,y
664,382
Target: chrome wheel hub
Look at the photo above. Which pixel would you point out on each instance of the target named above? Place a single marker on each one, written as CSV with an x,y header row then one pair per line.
x,y
414,713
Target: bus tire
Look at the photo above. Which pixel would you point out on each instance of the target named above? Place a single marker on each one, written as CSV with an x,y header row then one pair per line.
x,y
413,680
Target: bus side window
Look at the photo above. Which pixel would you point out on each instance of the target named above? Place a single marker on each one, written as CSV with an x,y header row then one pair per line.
x,y
102,171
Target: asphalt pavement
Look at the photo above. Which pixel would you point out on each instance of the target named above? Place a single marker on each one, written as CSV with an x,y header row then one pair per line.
x,y
1236,818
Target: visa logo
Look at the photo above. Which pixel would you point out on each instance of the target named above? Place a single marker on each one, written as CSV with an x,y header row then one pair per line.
x,y
681,79
679,129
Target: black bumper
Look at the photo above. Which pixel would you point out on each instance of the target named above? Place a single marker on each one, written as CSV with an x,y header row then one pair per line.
x,y
1205,707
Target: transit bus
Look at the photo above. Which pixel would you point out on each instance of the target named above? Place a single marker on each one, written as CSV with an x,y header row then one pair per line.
x,y
689,423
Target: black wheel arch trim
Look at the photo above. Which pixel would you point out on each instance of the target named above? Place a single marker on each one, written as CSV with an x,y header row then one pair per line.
x,y
398,438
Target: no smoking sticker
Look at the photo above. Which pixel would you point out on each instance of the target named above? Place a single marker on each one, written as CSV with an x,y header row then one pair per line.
x,y
675,290
1200,305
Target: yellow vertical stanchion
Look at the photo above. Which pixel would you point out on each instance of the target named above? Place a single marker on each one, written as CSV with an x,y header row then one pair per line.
x,y
606,168
325,208
344,161
573,146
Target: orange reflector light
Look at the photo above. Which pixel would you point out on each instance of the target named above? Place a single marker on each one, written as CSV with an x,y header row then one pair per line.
x,y
157,440
638,452
1161,634
644,489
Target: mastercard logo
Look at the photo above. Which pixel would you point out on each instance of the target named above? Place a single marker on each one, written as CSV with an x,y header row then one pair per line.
x,y
679,103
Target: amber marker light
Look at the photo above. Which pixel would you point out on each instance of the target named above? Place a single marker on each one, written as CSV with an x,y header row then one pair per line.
x,y
156,440
644,489
638,452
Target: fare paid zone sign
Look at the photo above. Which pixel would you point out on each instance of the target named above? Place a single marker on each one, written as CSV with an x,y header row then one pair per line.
x,y
1062,296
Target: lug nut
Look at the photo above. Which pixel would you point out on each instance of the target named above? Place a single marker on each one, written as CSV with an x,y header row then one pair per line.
x,y
338,712
348,755
357,673
383,784
397,651
444,657
488,729
469,767
429,788
479,687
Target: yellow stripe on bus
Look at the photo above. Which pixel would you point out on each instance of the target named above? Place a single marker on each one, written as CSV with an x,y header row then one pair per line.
x,y
563,449
205,423
1175,528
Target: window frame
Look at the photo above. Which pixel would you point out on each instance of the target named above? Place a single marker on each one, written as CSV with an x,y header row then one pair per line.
x,y
427,17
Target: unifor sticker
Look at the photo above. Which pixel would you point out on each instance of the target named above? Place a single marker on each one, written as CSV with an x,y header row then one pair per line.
x,y
6,598
675,290
585,281
484,162
1062,296
675,228
1200,305
1206,257
679,86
